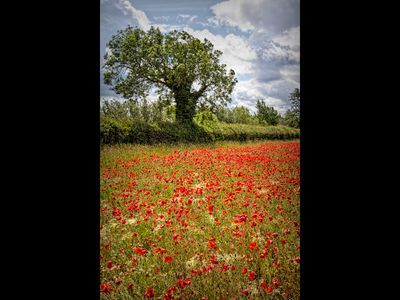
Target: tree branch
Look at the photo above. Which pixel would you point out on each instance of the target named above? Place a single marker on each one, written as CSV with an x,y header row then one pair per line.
x,y
198,93
151,79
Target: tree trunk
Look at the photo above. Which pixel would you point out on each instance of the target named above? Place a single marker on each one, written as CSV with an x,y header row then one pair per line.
x,y
185,107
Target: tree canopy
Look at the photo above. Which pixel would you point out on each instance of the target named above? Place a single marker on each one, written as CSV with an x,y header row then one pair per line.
x,y
292,116
178,66
266,113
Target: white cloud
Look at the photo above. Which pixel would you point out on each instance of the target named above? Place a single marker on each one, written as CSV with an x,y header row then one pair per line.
x,y
290,38
274,93
274,38
164,28
278,53
237,52
184,16
231,12
126,7
291,73
269,15
162,18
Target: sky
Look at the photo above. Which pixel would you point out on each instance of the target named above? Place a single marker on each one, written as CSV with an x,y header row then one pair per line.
x,y
260,40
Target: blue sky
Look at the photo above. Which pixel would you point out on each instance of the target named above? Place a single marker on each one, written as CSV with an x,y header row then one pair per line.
x,y
260,39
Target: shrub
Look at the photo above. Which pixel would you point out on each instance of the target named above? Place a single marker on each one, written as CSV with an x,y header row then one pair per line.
x,y
113,131
205,129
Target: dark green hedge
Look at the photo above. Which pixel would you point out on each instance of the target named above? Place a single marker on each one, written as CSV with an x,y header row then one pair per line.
x,y
117,131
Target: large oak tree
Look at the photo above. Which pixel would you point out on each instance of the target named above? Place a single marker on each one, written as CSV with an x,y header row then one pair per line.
x,y
180,68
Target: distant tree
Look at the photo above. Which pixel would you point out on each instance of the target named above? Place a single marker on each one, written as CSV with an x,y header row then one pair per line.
x,y
156,110
241,115
181,68
292,115
266,113
145,110
134,110
224,114
114,109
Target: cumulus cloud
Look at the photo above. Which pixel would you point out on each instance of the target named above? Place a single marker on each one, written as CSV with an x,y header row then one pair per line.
x,y
186,17
238,54
162,18
126,7
269,15
274,36
274,93
289,38
283,48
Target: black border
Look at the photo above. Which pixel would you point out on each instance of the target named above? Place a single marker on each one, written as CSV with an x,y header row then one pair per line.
x,y
54,150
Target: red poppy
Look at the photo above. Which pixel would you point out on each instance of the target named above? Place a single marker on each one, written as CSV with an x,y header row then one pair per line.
x,y
212,244
298,259
251,275
105,288
180,283
245,292
263,254
168,259
109,264
139,250
269,289
275,282
252,245
244,271
214,260
195,272
264,285
149,293
130,286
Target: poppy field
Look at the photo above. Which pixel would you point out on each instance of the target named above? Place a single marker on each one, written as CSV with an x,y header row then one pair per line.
x,y
199,222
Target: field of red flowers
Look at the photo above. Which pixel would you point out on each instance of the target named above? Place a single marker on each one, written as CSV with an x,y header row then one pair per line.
x,y
202,223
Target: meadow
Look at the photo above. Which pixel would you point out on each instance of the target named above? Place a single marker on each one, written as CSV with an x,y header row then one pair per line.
x,y
211,221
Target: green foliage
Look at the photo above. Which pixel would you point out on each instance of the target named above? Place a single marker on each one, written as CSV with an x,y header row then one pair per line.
x,y
169,113
292,116
205,129
178,65
209,123
206,118
113,131
294,99
241,115
224,114
133,111
266,113
244,132
115,109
